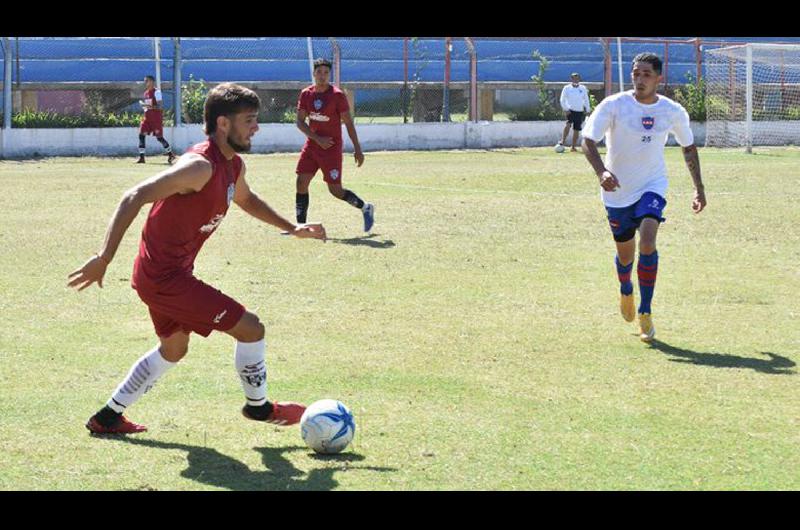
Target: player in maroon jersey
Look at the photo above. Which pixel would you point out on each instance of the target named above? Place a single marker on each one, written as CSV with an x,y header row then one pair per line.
x,y
190,200
152,122
326,107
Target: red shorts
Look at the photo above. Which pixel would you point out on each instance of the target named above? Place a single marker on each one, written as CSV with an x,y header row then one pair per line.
x,y
188,304
152,124
330,163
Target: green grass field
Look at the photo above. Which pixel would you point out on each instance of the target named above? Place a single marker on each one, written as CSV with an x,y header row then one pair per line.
x,y
475,334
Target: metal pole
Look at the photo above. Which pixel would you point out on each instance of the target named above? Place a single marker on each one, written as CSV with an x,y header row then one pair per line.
x,y
619,65
607,68
698,55
7,83
337,62
405,80
157,50
749,98
19,78
176,81
310,58
448,47
473,80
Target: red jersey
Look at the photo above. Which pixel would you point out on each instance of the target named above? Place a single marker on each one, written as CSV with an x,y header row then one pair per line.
x,y
178,226
324,111
150,99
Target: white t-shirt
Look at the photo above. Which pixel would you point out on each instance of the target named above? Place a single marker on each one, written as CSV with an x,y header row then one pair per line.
x,y
575,98
635,137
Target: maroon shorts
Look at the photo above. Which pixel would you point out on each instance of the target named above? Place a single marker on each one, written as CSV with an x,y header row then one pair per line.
x,y
189,304
152,124
329,162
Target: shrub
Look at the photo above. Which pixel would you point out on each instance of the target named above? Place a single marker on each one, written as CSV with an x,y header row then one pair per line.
x,y
193,97
692,96
46,119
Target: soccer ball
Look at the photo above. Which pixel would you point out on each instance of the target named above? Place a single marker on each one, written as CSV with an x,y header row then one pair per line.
x,y
559,148
327,426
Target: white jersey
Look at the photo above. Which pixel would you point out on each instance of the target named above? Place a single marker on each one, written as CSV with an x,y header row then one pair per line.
x,y
575,98
635,137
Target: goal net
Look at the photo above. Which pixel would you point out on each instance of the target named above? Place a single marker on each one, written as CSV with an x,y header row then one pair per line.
x,y
753,95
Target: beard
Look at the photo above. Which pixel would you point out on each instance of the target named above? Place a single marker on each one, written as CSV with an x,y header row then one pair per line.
x,y
238,147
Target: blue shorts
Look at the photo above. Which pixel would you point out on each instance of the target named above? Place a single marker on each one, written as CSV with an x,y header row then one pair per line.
x,y
625,221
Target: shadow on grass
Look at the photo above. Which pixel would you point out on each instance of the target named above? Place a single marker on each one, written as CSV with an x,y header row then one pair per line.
x,y
364,241
209,466
774,364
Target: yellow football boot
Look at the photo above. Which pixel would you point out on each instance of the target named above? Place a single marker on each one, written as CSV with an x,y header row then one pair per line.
x,y
627,307
648,330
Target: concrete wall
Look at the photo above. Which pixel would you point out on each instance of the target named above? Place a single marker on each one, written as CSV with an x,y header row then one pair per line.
x,y
278,137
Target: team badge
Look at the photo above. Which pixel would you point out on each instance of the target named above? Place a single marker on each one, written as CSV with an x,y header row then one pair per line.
x,y
648,122
334,174
230,193
317,104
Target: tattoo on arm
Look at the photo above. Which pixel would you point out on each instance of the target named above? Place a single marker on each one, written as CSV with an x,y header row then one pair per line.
x,y
692,159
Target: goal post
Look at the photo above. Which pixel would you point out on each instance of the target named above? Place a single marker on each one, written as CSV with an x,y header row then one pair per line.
x,y
753,95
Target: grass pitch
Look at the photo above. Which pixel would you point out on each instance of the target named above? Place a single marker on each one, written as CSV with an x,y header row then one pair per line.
x,y
475,334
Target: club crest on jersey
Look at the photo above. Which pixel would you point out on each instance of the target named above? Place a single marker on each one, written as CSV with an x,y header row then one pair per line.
x,y
230,193
648,122
334,174
317,104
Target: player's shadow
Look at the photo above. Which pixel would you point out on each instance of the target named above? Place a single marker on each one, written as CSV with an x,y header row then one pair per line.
x,y
209,466
773,364
364,241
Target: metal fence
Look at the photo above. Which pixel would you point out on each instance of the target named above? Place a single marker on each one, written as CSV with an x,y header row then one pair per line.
x,y
98,81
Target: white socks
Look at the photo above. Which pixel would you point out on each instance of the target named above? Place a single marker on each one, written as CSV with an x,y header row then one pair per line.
x,y
252,369
141,378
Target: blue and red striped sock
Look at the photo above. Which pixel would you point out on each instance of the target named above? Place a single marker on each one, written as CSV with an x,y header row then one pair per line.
x,y
624,275
647,271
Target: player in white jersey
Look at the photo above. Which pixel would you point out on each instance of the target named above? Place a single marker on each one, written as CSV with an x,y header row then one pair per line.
x,y
574,101
633,178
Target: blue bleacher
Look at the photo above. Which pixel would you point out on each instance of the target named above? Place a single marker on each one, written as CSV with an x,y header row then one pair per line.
x,y
57,59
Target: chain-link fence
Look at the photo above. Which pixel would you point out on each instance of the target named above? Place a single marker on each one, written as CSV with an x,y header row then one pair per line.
x,y
4,43
753,95
86,81
98,82
403,80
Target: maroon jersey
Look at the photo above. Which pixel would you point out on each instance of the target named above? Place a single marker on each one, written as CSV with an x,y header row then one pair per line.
x,y
150,98
178,226
324,111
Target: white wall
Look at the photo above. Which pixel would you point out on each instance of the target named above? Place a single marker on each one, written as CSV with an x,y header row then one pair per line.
x,y
280,137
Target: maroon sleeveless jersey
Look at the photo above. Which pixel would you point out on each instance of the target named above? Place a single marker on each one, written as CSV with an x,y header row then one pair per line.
x,y
177,226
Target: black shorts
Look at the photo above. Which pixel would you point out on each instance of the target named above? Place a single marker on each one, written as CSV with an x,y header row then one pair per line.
x,y
576,118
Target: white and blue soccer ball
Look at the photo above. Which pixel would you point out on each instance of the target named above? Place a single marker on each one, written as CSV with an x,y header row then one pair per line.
x,y
327,426
559,148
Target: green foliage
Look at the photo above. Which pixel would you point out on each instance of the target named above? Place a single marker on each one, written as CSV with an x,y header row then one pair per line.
x,y
46,119
793,112
289,115
592,101
547,107
692,96
193,96
718,107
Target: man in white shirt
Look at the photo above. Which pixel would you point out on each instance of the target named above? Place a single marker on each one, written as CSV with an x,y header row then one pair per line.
x,y
633,178
575,102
